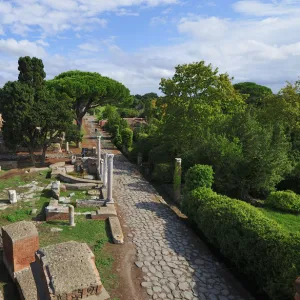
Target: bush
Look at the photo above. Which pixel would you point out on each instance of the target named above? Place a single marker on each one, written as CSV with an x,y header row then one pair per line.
x,y
199,176
194,199
127,136
163,173
118,140
257,245
284,200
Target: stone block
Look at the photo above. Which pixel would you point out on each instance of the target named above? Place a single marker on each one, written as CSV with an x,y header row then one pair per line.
x,y
20,242
56,212
12,196
116,230
70,271
105,212
55,189
80,186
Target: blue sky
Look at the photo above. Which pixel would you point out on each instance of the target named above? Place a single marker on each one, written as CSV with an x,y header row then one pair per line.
x,y
140,41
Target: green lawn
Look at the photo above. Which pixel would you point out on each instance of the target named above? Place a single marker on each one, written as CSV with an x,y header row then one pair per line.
x,y
289,221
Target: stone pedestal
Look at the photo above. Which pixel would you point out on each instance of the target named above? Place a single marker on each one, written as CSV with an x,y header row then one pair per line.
x,y
20,242
12,196
71,216
73,160
177,180
110,164
55,189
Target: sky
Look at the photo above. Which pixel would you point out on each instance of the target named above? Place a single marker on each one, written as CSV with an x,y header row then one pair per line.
x,y
138,42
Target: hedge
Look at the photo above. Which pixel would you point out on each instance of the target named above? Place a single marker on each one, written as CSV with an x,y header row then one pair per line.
x,y
193,199
127,135
199,176
284,200
257,245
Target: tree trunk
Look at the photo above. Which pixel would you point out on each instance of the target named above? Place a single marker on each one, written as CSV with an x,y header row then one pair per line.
x,y
32,156
44,154
79,122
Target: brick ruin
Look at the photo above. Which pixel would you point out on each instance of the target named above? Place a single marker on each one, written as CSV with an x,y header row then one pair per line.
x,y
57,272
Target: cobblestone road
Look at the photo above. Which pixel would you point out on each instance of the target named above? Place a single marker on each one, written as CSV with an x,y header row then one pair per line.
x,y
174,261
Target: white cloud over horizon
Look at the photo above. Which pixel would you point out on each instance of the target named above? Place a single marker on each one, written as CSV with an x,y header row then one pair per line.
x,y
259,43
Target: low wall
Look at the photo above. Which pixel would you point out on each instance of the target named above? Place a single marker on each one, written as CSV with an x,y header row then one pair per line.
x,y
71,179
9,164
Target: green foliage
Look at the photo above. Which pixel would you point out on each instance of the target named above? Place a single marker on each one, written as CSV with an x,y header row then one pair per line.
x,y
163,172
127,136
257,245
128,112
118,140
35,116
285,201
199,176
73,135
193,199
256,93
89,90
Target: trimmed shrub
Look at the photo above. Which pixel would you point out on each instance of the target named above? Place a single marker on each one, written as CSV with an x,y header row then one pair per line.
x,y
257,245
284,200
193,199
127,136
163,173
199,176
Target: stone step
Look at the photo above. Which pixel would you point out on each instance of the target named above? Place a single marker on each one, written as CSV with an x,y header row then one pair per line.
x,y
105,212
116,230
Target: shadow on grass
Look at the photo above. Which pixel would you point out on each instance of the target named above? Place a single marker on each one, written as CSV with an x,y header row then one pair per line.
x,y
58,223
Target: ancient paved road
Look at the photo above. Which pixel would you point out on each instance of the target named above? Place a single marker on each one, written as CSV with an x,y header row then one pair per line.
x,y
175,263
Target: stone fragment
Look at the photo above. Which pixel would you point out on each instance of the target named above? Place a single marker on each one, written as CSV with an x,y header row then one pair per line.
x,y
12,195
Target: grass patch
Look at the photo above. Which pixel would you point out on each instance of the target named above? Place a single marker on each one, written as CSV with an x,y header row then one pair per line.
x,y
290,222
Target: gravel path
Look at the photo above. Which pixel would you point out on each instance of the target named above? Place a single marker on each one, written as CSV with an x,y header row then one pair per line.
x,y
174,261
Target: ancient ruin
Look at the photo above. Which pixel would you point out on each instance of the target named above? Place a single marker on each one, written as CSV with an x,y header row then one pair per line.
x,y
61,271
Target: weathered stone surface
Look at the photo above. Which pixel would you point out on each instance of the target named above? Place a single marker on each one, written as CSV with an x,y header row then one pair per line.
x,y
116,230
105,212
56,212
20,241
71,179
26,284
70,271
80,186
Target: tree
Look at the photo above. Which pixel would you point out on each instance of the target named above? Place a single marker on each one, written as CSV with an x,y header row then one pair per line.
x,y
196,99
89,90
256,93
35,116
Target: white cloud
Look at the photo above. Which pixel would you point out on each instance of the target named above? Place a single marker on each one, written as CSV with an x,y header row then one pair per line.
x,y
158,21
53,16
42,43
273,8
89,47
19,48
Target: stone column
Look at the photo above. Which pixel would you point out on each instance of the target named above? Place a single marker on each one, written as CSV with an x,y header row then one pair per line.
x,y
99,154
79,145
12,195
101,168
110,163
67,147
177,180
71,216
104,178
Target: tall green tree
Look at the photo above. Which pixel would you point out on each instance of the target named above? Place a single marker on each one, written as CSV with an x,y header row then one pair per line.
x,y
256,93
34,115
194,100
89,90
